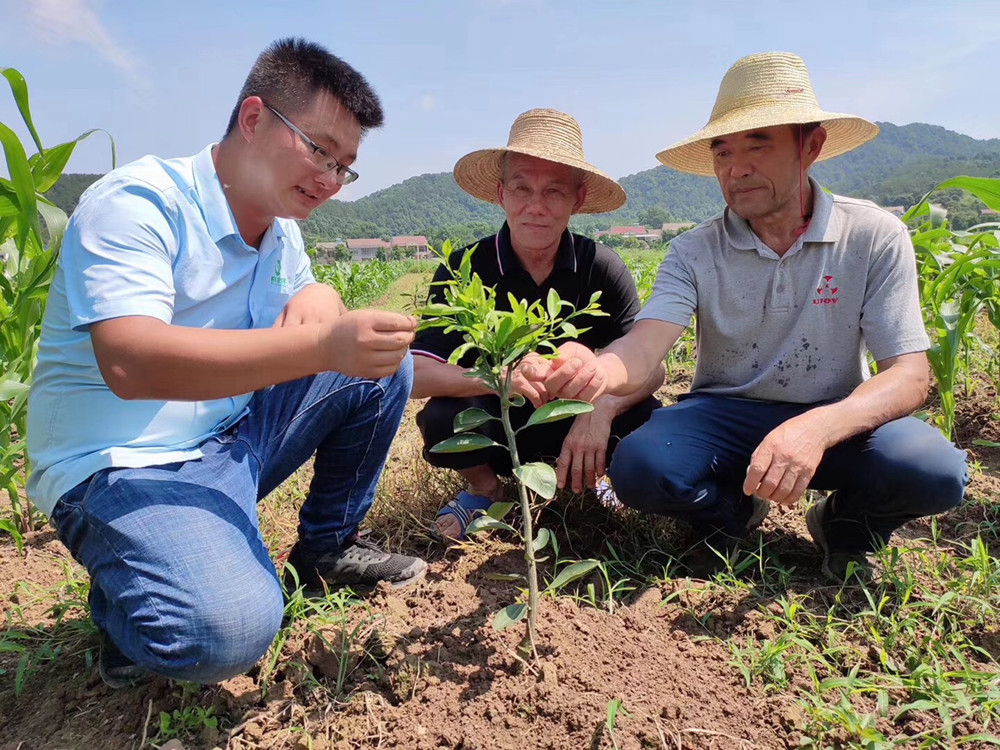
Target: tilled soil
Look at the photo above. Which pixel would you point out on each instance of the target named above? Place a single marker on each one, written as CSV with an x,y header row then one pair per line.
x,y
425,669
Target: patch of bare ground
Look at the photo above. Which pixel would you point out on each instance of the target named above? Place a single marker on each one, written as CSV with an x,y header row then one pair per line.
x,y
423,667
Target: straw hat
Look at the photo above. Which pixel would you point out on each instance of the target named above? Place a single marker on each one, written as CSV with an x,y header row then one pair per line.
x,y
761,91
545,134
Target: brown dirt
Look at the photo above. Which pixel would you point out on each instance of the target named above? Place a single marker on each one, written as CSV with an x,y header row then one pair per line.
x,y
425,667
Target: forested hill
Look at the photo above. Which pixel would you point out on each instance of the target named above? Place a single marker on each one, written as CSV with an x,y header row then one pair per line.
x,y
897,168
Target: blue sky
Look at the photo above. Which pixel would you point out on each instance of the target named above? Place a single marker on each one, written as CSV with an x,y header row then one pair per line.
x,y
162,77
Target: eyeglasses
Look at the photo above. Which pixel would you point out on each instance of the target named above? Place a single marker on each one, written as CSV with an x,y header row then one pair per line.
x,y
322,158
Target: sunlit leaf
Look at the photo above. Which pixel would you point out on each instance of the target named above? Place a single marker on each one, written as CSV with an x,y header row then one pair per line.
x,y
556,410
539,477
471,418
463,443
571,573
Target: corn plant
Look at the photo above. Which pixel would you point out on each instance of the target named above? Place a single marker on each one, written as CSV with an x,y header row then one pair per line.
x,y
359,284
27,265
959,278
502,339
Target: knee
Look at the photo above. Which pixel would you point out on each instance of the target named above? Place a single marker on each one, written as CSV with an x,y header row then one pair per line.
x,y
638,474
217,639
930,471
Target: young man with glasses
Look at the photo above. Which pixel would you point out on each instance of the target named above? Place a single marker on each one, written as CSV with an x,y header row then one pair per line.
x,y
189,363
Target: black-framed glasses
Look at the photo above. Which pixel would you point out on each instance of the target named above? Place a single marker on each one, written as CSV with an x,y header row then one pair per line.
x,y
323,159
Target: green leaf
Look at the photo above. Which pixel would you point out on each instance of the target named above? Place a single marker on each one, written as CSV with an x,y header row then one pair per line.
x,y
11,388
464,443
556,410
539,477
485,523
541,540
986,443
553,304
499,510
509,616
19,88
470,419
20,174
571,573
7,525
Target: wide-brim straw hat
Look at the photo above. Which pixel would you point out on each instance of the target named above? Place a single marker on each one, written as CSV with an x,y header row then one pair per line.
x,y
545,134
761,91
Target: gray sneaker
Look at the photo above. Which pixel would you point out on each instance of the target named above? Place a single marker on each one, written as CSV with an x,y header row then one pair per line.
x,y
360,564
837,566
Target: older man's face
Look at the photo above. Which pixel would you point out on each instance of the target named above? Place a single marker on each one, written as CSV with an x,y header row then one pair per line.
x,y
758,170
538,197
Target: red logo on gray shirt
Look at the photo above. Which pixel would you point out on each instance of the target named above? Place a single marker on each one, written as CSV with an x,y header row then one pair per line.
x,y
826,293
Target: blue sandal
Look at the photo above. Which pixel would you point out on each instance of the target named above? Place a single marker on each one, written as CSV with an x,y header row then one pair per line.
x,y
464,508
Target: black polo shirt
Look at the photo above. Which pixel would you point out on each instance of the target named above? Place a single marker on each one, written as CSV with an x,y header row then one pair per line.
x,y
582,267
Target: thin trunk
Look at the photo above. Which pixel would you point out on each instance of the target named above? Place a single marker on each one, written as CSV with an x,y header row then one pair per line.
x,y
527,647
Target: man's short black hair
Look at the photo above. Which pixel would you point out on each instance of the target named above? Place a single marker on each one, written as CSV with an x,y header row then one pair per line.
x,y
289,74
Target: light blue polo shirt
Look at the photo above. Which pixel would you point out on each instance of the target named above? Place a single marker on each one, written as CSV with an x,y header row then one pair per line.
x,y
154,238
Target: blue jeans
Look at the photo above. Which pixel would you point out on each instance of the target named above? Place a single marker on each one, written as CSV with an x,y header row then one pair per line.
x,y
181,580
689,462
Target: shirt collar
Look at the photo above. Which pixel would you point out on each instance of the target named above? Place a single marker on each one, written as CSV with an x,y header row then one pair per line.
x,y
214,204
507,259
823,227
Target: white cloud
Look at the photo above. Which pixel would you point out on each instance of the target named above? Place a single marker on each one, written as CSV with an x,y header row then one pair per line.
x,y
57,21
428,102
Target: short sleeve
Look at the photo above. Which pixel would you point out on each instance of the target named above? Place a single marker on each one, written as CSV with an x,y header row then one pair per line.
x,y
118,254
891,321
303,276
675,296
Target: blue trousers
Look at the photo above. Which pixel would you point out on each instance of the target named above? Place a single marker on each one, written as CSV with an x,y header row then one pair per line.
x,y
690,459
181,579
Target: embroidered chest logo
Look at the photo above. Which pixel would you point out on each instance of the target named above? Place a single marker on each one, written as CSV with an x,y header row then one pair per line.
x,y
826,293
278,278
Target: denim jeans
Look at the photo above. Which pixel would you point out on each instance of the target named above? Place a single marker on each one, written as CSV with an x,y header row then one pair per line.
x,y
689,462
181,580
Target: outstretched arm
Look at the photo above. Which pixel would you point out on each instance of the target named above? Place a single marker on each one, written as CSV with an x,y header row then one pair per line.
x,y
144,358
625,367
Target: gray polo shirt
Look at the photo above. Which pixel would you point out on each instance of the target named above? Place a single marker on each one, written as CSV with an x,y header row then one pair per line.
x,y
795,328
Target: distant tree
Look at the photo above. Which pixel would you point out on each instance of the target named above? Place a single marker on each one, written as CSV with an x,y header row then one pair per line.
x,y
653,217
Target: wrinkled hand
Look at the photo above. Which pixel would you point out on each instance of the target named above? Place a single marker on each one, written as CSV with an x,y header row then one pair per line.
x,y
576,373
316,304
528,379
367,343
584,451
784,463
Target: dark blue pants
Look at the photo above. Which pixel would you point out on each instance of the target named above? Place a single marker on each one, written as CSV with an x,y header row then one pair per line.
x,y
689,462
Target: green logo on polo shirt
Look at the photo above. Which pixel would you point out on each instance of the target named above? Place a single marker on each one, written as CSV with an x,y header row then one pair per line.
x,y
278,278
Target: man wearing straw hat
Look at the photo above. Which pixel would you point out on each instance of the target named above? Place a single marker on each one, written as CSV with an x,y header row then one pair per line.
x,y
540,179
793,289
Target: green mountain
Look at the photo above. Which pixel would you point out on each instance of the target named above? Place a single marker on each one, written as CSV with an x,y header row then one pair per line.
x,y
897,168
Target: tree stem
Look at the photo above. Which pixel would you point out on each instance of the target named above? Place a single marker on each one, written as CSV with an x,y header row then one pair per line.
x,y
526,648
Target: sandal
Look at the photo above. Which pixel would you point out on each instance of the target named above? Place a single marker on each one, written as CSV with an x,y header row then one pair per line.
x,y
463,508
